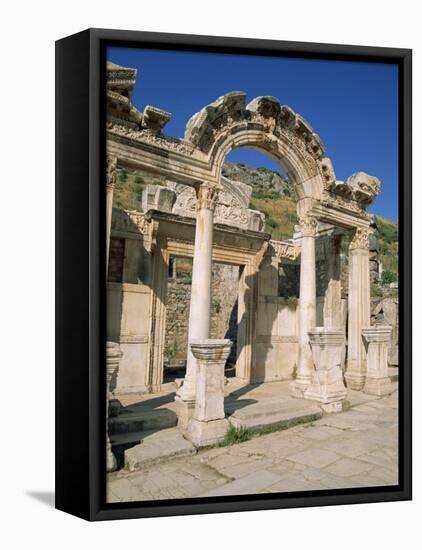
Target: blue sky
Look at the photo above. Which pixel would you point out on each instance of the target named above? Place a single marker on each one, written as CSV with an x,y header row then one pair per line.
x,y
353,106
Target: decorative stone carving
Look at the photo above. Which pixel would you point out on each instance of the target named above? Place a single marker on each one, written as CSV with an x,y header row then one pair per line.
x,y
354,195
308,226
111,175
343,201
228,114
206,197
120,84
327,385
231,207
256,221
377,341
146,136
208,424
360,239
154,119
327,171
364,187
157,197
130,221
283,249
113,357
203,126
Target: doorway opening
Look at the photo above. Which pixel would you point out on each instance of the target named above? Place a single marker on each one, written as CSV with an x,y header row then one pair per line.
x,y
224,314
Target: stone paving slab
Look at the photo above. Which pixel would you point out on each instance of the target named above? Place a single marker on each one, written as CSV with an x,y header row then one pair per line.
x,y
355,448
274,413
157,447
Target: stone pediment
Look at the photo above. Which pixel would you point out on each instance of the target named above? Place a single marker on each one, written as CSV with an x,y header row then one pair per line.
x,y
232,205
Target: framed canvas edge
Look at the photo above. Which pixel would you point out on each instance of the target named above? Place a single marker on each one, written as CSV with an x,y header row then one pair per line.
x,y
95,445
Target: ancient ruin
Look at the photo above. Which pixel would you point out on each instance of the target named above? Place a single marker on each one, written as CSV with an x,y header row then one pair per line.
x,y
319,342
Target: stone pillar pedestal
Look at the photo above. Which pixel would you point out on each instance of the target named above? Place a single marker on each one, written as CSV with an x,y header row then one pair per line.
x,y
200,303
307,306
208,424
327,385
358,308
113,359
377,340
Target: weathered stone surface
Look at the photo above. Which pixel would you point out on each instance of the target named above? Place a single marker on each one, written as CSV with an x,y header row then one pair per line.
x,y
334,452
377,340
143,420
273,413
157,447
208,424
327,385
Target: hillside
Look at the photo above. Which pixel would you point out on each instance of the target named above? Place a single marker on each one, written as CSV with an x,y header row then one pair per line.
x,y
388,244
271,194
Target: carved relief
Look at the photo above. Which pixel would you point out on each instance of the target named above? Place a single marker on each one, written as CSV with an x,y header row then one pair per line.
x,y
283,249
231,206
151,137
130,221
343,202
264,113
360,239
111,172
308,226
206,197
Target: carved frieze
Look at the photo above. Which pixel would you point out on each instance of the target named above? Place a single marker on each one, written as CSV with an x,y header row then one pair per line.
x,y
231,206
130,221
264,114
151,137
283,249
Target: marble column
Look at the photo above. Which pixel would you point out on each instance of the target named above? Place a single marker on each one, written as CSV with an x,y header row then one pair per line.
x,y
113,356
332,298
200,302
111,182
307,306
377,339
208,424
358,308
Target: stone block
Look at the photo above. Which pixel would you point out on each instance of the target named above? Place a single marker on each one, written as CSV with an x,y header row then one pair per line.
x,y
157,197
157,447
377,341
327,385
208,424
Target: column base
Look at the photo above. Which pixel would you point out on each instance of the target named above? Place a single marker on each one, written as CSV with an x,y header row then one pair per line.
x,y
187,391
185,410
299,386
355,381
334,393
204,434
378,386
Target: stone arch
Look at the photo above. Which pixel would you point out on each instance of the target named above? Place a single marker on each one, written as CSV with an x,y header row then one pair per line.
x,y
268,126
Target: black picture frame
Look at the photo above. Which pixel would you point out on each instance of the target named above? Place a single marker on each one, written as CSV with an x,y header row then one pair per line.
x,y
80,274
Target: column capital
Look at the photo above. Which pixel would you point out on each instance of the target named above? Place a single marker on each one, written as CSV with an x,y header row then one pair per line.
x,y
111,172
360,240
308,226
206,197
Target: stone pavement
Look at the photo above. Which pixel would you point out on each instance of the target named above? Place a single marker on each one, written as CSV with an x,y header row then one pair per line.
x,y
355,448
